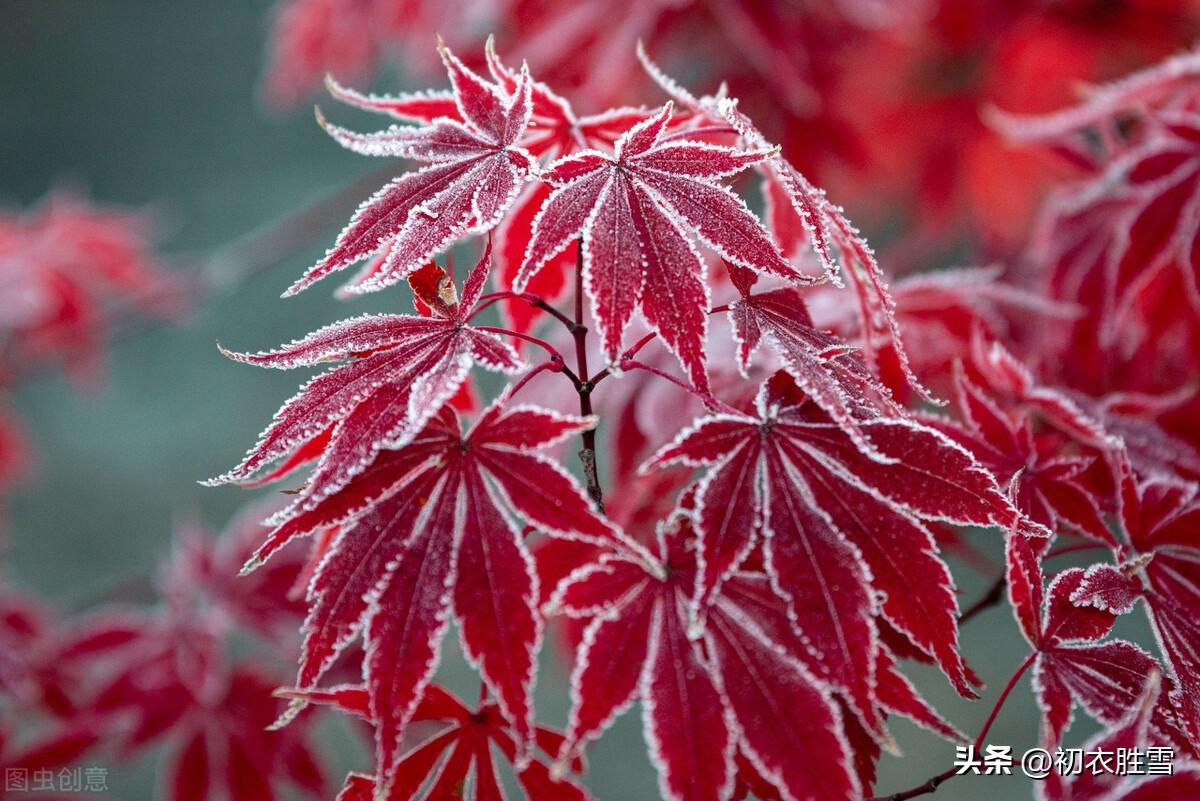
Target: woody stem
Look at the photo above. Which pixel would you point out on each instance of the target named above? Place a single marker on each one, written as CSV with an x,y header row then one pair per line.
x,y
587,454
993,596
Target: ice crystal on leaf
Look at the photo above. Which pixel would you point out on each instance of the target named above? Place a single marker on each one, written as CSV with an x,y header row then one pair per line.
x,y
1073,664
1161,521
722,705
1053,484
637,647
800,212
1132,731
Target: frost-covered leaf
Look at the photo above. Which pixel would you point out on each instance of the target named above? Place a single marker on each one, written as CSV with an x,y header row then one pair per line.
x,y
399,370
441,540
739,687
831,516
460,753
635,211
475,170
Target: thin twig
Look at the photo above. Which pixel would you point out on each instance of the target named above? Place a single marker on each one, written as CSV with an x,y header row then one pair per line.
x,y
528,297
1078,547
629,354
541,343
993,596
553,364
641,343
1008,688
587,454
708,400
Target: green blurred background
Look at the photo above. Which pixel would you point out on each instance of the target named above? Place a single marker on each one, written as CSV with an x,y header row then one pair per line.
x,y
153,104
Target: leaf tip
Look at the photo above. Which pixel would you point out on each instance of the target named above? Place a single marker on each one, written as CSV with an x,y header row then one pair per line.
x,y
294,708
252,564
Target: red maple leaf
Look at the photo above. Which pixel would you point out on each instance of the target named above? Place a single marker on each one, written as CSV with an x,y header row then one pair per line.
x,y
149,676
400,370
1161,520
1053,488
1066,625
155,677
739,685
1132,732
794,479
67,268
828,369
455,750
799,211
633,211
476,167
554,130
30,675
441,538
203,571
1121,243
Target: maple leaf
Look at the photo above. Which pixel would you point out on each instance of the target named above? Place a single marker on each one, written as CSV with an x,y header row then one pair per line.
x,y
632,211
1121,242
837,244
203,571
839,247
30,673
1161,520
554,131
830,516
1011,379
1065,625
826,368
940,311
475,170
311,38
1053,489
441,538
162,677
400,370
698,707
141,678
1132,732
455,752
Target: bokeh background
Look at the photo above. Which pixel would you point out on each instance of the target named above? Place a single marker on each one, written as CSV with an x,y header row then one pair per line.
x,y
156,105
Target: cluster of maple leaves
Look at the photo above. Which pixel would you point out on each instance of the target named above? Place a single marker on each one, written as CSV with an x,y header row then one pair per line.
x,y
756,599
774,449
